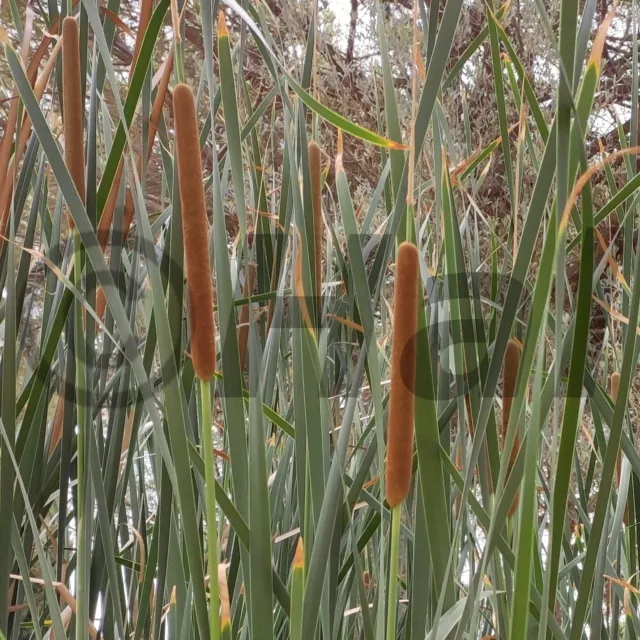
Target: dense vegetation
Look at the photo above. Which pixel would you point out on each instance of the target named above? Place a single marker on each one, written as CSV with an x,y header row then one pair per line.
x,y
319,330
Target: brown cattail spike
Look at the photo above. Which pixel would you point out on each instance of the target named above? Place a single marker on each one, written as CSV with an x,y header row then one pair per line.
x,y
196,233
403,375
315,169
72,103
615,386
129,212
510,368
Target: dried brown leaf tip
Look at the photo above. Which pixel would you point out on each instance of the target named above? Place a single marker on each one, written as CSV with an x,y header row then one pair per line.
x,y
298,560
510,367
196,234
403,375
72,104
223,31
225,606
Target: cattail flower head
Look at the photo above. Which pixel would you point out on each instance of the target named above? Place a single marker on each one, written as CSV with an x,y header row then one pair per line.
x,y
510,368
196,234
73,107
615,385
403,375
129,212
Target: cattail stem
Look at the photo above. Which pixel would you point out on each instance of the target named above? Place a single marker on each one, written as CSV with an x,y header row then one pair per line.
x,y
73,107
392,613
196,234
210,507
403,374
510,367
315,170
84,506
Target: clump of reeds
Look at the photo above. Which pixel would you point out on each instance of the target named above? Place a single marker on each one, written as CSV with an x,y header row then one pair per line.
x,y
315,169
72,102
510,368
403,374
196,233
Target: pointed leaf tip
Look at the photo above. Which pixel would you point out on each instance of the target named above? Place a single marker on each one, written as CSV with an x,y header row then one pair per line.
x,y
223,31
339,165
298,560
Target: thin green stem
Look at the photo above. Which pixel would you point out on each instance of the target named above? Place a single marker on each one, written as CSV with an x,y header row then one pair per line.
x,y
396,514
84,513
210,506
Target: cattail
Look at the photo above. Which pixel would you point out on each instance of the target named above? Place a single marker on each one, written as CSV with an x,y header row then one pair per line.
x,y
615,386
158,104
129,212
366,578
243,331
110,205
510,367
104,224
73,107
146,10
403,375
315,168
196,233
25,132
12,119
